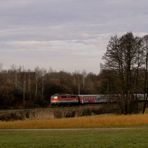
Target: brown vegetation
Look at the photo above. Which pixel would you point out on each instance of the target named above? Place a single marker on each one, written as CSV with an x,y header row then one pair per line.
x,y
80,122
57,112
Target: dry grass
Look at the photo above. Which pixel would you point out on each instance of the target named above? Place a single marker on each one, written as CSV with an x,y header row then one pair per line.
x,y
80,122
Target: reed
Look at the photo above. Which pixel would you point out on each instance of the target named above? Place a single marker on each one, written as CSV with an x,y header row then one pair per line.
x,y
80,122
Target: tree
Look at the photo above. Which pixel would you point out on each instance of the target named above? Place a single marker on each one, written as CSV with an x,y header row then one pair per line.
x,y
124,56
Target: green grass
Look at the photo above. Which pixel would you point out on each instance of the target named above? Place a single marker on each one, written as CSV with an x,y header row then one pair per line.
x,y
86,138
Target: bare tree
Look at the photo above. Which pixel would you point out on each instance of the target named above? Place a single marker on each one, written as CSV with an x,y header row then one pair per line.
x,y
124,55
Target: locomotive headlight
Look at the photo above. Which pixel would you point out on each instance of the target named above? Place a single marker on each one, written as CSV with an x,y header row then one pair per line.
x,y
55,97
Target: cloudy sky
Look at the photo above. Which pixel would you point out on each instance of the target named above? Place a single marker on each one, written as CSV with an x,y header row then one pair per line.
x,y
68,35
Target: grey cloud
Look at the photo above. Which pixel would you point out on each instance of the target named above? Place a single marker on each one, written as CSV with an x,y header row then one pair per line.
x,y
72,31
63,11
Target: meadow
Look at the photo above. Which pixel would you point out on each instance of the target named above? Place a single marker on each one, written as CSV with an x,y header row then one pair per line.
x,y
99,121
78,138
101,131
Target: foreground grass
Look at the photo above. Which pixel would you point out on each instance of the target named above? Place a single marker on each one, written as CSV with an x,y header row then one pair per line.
x,y
80,122
90,138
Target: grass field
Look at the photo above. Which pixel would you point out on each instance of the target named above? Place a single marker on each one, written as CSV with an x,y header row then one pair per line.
x,y
103,131
86,138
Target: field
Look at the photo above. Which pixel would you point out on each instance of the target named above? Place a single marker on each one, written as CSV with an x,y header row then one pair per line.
x,y
100,121
102,131
84,138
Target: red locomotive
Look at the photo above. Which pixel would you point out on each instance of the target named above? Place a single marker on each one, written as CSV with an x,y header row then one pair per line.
x,y
58,99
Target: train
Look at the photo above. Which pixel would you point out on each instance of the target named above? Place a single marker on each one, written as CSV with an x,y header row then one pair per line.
x,y
70,99
63,99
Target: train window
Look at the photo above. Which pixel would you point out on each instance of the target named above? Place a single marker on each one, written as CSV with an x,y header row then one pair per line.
x,y
73,96
63,96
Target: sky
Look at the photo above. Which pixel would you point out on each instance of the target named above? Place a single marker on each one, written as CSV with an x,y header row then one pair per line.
x,y
69,35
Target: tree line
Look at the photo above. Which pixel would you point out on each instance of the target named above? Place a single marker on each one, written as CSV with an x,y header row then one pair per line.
x,y
21,88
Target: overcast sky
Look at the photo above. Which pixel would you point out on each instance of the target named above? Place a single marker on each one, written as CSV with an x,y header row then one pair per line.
x,y
69,35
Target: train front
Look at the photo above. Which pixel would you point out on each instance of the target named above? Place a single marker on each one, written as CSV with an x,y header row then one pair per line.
x,y
64,99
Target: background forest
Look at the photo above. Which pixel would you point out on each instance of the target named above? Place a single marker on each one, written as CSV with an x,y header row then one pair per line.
x,y
21,88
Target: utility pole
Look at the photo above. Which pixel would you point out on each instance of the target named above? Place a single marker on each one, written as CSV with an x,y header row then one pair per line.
x,y
42,87
24,93
79,89
145,38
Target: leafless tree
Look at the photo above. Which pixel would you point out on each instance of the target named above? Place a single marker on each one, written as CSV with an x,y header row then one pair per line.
x,y
124,55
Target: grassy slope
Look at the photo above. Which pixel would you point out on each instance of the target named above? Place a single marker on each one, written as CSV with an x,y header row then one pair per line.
x,y
104,138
